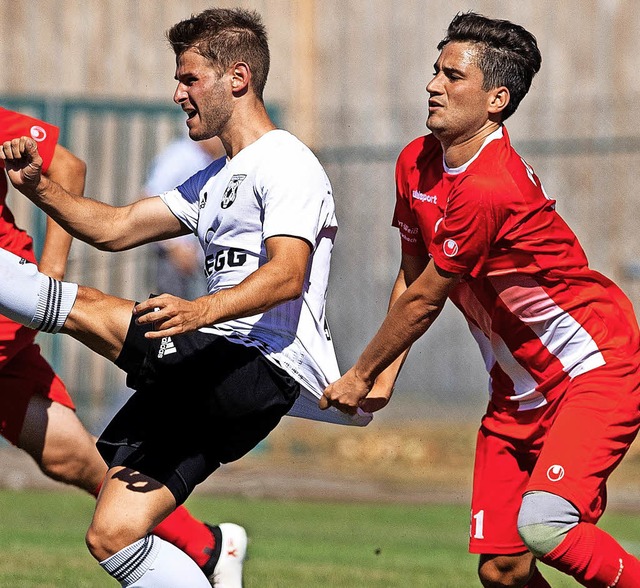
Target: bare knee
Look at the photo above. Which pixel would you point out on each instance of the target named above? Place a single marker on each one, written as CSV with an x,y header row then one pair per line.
x,y
506,571
129,507
104,540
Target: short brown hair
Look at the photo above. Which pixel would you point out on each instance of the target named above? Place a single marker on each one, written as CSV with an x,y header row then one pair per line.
x,y
225,36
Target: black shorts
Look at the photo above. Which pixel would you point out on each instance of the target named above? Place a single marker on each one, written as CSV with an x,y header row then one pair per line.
x,y
199,401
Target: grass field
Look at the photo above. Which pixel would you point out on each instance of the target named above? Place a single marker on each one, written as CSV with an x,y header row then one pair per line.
x,y
292,545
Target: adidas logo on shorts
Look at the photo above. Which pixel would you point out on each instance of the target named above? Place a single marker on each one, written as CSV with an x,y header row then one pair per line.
x,y
167,347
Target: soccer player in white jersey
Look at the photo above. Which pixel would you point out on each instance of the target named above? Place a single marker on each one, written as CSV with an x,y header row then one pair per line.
x,y
37,412
212,376
560,340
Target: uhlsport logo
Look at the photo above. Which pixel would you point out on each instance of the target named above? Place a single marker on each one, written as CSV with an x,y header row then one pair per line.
x,y
450,248
167,347
231,191
430,198
38,133
555,473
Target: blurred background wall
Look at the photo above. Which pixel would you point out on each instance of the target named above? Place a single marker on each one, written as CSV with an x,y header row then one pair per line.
x,y
348,77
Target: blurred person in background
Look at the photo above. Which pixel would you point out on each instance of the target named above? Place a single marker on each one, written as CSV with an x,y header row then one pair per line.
x,y
560,340
180,261
37,413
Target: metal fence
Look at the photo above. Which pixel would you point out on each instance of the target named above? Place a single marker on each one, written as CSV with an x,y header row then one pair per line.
x,y
348,77
444,375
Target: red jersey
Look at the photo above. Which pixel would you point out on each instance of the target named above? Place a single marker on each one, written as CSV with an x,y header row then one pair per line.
x,y
14,338
12,125
538,312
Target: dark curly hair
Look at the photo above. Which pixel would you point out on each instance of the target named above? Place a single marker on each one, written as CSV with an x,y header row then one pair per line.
x,y
508,54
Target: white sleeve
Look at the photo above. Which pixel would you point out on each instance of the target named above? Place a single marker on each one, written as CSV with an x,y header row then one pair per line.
x,y
184,201
185,212
296,195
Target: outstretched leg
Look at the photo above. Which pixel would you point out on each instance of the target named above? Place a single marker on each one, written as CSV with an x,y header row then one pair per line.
x,y
35,300
550,526
99,321
513,571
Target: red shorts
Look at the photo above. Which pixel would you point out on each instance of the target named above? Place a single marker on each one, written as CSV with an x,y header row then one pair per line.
x,y
572,446
23,373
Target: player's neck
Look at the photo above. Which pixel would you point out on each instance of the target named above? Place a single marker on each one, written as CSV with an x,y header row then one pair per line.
x,y
458,151
247,126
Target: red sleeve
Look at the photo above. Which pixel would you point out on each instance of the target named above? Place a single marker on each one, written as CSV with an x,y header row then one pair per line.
x,y
14,124
471,221
403,217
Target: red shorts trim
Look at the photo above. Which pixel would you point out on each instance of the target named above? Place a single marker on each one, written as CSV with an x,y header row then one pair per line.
x,y
573,445
25,375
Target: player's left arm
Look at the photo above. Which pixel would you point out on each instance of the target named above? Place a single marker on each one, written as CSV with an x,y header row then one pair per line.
x,y
278,280
407,320
70,172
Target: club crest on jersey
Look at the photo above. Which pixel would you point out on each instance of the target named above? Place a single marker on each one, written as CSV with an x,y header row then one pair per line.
x,y
450,248
231,191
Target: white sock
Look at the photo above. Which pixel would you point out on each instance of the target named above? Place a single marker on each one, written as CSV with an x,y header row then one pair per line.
x,y
31,298
152,562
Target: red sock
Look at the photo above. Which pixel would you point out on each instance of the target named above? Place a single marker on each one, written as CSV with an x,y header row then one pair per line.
x,y
594,559
186,533
537,581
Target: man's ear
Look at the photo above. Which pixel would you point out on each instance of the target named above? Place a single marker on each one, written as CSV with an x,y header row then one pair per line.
x,y
240,77
499,99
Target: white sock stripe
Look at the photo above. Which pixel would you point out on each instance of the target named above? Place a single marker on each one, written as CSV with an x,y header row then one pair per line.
x,y
131,563
54,303
137,564
52,292
57,300
48,310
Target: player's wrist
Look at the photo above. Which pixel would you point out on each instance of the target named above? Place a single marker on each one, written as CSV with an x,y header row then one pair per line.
x,y
363,375
40,189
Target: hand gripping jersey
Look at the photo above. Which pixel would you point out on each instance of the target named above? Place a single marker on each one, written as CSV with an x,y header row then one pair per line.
x,y
275,186
537,311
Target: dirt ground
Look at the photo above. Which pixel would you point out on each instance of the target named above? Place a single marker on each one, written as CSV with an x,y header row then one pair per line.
x,y
411,462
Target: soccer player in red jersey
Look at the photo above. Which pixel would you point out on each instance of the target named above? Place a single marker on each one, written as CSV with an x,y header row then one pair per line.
x,y
560,341
36,412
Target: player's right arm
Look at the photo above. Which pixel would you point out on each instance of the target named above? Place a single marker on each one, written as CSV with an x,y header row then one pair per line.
x,y
410,268
109,228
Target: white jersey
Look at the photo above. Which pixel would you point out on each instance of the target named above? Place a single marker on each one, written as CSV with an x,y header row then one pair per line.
x,y
274,186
